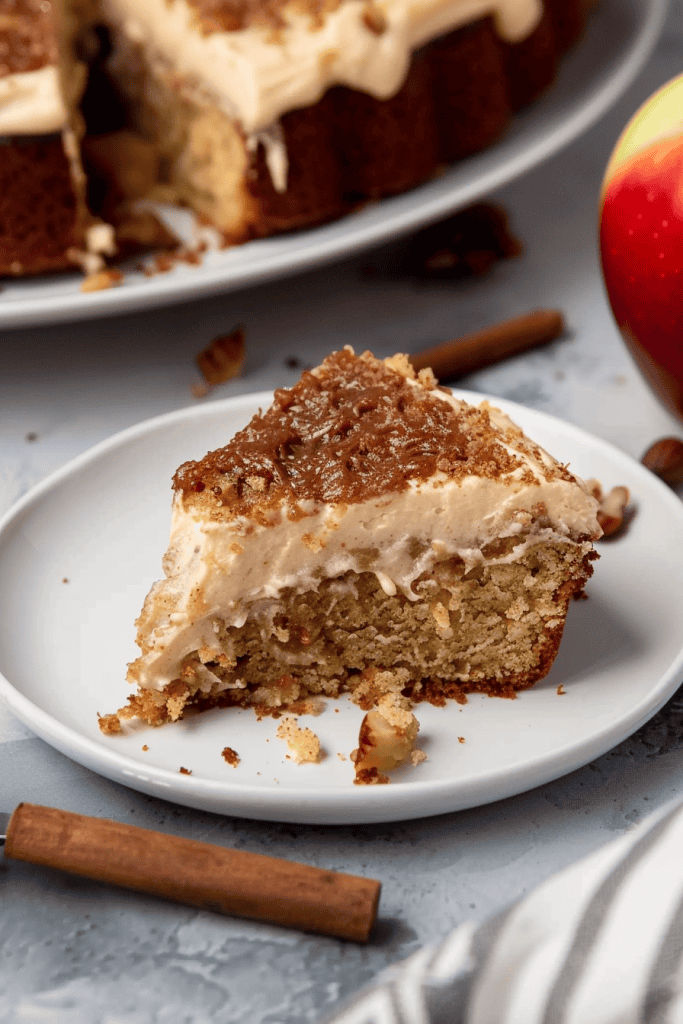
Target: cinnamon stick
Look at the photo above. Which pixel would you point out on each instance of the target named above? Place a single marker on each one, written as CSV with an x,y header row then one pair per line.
x,y
202,875
476,351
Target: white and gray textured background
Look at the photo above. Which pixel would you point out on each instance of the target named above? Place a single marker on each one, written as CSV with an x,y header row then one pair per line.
x,y
75,952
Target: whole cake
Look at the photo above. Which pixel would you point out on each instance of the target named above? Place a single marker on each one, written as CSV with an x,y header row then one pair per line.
x,y
261,115
368,533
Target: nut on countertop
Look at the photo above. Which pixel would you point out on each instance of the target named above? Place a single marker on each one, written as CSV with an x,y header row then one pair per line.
x,y
665,459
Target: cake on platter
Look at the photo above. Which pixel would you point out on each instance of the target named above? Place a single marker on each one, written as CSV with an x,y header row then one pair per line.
x,y
261,115
369,533
45,223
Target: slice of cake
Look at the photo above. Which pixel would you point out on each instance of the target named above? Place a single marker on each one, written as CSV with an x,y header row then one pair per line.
x,y
369,533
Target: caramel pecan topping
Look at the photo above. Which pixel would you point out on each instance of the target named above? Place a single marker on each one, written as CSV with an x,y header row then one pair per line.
x,y
352,431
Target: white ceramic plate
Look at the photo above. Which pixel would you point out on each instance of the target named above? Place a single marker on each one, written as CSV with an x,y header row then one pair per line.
x,y
621,35
101,523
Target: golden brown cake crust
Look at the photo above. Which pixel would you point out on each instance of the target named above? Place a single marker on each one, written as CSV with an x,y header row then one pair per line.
x,y
40,220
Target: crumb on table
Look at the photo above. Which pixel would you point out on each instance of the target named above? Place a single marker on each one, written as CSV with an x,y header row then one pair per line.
x,y
101,280
230,756
200,390
223,359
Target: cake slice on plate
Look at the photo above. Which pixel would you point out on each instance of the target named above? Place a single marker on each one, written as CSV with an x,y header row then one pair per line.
x,y
368,533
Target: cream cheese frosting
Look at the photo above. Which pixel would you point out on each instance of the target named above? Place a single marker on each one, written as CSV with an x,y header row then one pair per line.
x,y
255,74
31,102
217,569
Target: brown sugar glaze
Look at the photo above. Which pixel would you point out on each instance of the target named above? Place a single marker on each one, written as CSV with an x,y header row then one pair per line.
x,y
354,431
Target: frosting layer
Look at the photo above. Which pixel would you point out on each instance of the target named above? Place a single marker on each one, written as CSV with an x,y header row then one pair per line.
x,y
31,102
258,72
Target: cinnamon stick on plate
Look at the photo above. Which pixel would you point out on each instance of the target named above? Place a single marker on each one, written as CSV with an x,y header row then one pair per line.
x,y
200,874
476,351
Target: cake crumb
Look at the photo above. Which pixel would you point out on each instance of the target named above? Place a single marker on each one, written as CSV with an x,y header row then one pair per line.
x,y
145,747
342,757
223,359
231,756
417,757
101,280
561,690
313,706
109,724
461,739
65,579
372,684
466,244
184,771
370,777
200,390
31,436
163,262
303,743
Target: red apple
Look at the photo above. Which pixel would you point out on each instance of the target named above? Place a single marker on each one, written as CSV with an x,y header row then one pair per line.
x,y
641,240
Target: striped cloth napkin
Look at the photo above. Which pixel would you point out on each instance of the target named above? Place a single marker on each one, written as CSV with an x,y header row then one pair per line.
x,y
599,943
